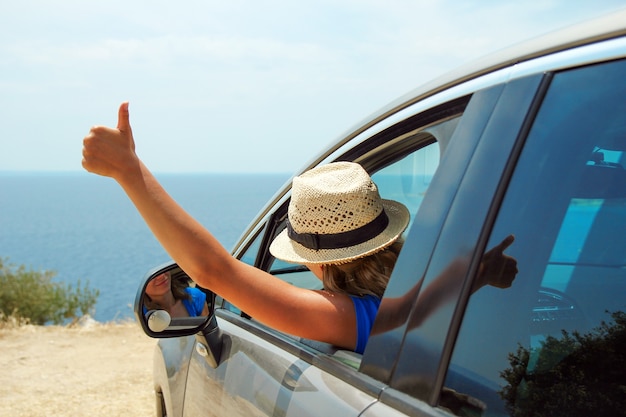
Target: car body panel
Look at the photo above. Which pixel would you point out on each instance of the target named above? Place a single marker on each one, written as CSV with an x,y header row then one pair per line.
x,y
257,378
170,368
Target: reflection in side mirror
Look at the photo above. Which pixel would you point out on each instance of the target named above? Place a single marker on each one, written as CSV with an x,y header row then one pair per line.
x,y
175,293
169,304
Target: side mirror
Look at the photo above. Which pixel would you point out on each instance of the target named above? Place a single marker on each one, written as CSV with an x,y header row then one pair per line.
x,y
169,304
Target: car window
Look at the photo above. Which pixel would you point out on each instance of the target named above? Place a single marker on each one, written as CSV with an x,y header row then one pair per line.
x,y
406,180
552,343
410,162
249,257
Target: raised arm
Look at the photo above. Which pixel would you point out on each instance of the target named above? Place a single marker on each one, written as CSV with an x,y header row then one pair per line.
x,y
111,152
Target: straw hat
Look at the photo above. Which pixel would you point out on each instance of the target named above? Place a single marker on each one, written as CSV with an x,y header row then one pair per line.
x,y
336,215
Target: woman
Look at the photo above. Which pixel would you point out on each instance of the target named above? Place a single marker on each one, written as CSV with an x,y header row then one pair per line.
x,y
323,200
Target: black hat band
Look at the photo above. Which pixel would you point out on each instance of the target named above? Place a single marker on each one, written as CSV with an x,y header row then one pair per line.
x,y
354,237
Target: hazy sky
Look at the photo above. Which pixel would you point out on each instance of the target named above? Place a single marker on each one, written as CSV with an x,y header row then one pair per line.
x,y
237,85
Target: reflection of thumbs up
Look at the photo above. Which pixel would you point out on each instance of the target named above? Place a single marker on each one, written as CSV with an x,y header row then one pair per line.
x,y
501,247
496,268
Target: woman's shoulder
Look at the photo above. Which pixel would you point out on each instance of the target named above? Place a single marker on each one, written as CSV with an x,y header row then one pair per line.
x,y
194,292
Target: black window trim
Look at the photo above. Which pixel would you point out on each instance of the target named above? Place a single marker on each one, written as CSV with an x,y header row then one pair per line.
x,y
489,223
432,381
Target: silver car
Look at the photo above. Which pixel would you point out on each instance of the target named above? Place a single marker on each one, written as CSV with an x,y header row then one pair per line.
x,y
531,143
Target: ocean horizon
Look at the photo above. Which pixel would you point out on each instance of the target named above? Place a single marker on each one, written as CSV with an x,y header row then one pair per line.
x,y
85,229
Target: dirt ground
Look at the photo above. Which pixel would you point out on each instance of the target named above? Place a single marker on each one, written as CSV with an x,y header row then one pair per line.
x,y
91,369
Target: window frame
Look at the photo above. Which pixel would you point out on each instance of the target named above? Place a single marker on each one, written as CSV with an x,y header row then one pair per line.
x,y
503,112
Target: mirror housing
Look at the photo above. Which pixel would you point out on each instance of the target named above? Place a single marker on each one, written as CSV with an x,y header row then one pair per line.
x,y
197,317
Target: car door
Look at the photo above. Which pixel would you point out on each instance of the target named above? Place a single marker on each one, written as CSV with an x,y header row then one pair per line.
x,y
552,343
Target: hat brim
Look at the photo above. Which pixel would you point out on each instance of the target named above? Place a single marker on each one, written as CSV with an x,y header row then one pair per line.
x,y
287,250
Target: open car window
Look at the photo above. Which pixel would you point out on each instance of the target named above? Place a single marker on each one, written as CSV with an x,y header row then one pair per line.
x,y
406,181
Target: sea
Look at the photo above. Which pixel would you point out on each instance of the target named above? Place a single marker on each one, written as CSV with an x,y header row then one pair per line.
x,y
85,229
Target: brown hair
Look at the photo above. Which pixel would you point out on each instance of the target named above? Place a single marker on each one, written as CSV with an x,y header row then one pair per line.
x,y
178,288
363,276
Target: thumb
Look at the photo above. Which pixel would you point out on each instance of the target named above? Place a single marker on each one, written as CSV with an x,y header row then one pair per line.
x,y
508,241
123,118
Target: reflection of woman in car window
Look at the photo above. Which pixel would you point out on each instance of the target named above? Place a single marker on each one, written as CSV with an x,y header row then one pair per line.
x,y
339,227
175,296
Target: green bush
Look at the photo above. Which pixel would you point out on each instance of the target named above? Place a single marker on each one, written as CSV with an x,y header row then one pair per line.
x,y
574,374
32,296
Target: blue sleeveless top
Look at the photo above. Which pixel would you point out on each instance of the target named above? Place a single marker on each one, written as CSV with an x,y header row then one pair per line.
x,y
365,308
196,304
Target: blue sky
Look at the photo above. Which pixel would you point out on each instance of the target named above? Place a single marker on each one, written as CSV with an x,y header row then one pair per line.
x,y
238,85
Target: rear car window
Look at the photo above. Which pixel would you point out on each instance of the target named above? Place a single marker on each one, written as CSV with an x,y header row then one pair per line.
x,y
552,343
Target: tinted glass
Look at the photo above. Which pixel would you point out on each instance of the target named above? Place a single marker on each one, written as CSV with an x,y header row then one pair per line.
x,y
553,342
